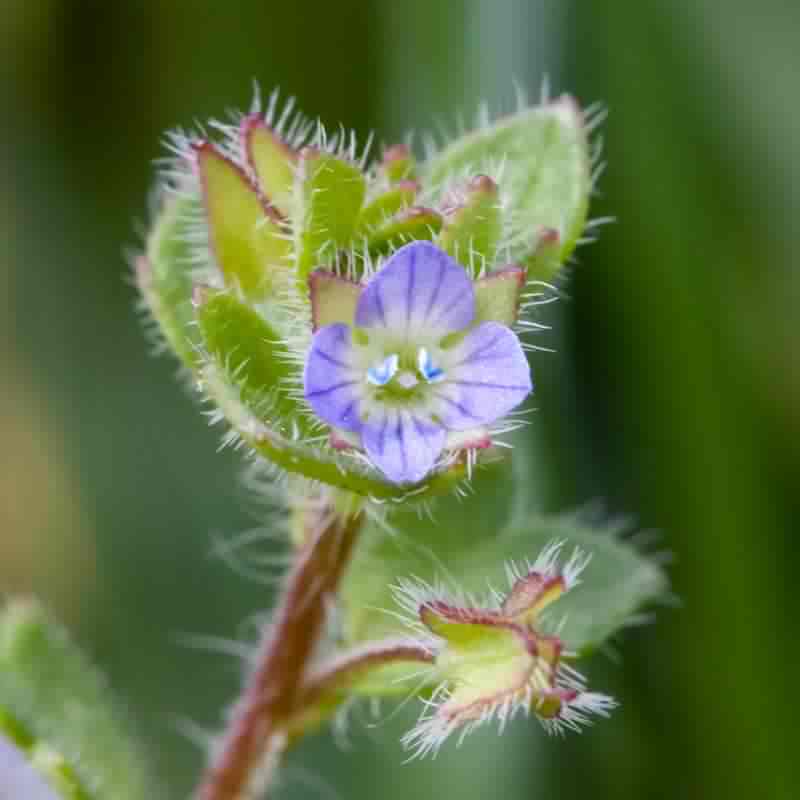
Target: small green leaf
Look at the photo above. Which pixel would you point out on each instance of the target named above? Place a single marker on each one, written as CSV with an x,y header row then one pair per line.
x,y
415,223
497,296
473,227
329,193
333,299
398,163
272,161
248,350
546,176
469,553
463,526
65,708
386,205
164,276
246,237
545,261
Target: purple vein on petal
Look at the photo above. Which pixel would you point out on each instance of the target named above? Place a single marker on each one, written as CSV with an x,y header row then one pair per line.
x,y
490,385
460,407
403,447
401,439
435,295
330,380
452,306
329,389
418,283
475,355
412,279
382,434
331,360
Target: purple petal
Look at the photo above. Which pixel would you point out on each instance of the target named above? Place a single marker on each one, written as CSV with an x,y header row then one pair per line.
x,y
331,383
419,288
18,778
486,375
402,445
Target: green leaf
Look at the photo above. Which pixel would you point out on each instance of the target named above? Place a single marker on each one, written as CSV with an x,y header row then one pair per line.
x,y
416,548
246,237
330,192
398,164
473,228
333,299
164,276
468,550
545,260
272,161
384,206
415,223
63,711
497,296
252,356
546,176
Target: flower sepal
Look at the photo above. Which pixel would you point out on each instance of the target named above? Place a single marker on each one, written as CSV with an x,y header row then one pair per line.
x,y
246,235
329,193
502,659
271,160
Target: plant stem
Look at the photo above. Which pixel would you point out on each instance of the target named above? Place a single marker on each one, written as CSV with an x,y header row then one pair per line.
x,y
256,735
351,665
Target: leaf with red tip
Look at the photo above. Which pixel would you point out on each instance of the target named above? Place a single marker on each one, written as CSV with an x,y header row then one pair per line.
x,y
246,238
333,299
545,261
386,205
272,161
398,163
549,703
546,174
473,225
415,223
497,296
462,624
532,593
473,550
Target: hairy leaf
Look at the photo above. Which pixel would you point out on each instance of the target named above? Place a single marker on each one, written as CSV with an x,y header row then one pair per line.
x,y
546,171
63,710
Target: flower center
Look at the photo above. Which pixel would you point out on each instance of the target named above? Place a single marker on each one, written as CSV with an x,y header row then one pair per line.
x,y
400,376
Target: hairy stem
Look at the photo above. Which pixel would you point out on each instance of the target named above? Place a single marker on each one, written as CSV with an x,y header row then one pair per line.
x,y
349,666
257,731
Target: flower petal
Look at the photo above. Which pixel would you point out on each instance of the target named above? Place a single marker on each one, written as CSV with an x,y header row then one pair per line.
x,y
332,384
486,375
402,445
419,289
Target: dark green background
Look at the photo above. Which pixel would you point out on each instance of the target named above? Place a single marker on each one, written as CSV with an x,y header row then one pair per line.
x,y
673,396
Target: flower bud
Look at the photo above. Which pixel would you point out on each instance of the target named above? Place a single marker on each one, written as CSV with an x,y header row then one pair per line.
x,y
496,661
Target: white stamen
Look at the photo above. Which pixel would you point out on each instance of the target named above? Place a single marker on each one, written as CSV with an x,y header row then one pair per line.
x,y
407,379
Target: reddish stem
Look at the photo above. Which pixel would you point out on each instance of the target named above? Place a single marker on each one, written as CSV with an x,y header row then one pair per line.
x,y
256,731
347,668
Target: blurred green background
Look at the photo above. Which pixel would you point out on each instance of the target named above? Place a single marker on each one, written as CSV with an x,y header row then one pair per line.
x,y
674,394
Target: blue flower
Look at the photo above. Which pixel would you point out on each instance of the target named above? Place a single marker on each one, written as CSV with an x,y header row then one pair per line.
x,y
414,367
